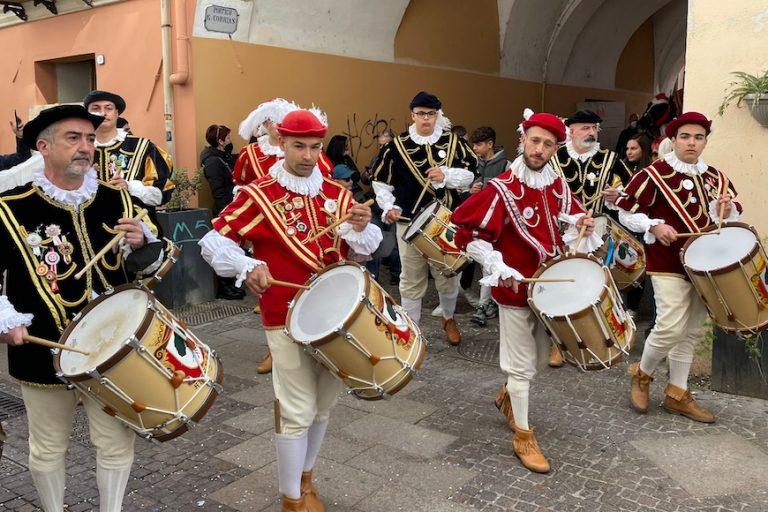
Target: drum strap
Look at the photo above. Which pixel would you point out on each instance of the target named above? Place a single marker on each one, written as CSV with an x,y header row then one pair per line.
x,y
518,221
250,150
674,200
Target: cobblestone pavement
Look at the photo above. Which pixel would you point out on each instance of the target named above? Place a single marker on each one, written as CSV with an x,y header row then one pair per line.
x,y
439,444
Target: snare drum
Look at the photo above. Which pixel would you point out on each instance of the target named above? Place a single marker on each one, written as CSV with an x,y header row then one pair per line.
x,y
145,367
586,317
621,252
431,232
348,323
729,272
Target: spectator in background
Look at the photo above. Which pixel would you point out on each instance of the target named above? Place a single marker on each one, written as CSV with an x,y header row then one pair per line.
x,y
637,153
627,133
338,152
491,161
22,150
460,131
123,124
217,162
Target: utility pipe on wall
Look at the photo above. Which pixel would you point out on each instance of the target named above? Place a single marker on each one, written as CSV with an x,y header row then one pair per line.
x,y
181,75
165,31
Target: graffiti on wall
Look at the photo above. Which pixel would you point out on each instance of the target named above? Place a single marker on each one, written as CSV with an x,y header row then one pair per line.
x,y
361,132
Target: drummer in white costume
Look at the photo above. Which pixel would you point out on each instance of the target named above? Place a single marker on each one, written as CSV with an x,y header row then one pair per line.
x,y
679,193
427,155
511,227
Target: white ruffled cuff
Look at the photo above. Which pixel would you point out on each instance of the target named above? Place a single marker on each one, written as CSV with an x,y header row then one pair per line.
x,y
363,242
10,318
149,195
454,178
150,237
226,257
384,197
494,268
588,244
714,212
639,223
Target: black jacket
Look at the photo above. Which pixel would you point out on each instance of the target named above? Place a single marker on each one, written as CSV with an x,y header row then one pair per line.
x,y
22,154
217,167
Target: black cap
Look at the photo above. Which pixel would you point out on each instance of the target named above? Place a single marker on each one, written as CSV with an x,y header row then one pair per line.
x,y
583,116
51,115
122,122
105,96
425,99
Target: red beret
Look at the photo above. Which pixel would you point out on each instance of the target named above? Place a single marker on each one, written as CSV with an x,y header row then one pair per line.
x,y
301,123
687,118
549,122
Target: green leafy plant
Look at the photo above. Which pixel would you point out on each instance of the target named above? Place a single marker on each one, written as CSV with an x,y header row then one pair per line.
x,y
753,344
186,186
745,87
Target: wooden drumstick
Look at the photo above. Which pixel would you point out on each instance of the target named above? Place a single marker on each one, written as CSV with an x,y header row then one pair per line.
x,y
109,246
336,224
547,280
53,344
276,282
582,231
698,233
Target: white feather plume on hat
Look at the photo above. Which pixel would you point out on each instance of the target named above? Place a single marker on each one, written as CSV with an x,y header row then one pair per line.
x,y
273,110
320,115
527,113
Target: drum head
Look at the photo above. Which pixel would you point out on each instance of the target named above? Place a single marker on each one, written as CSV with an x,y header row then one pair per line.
x,y
711,252
559,299
104,330
421,220
332,298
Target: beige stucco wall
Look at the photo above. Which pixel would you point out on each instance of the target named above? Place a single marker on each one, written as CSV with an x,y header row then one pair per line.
x,y
722,39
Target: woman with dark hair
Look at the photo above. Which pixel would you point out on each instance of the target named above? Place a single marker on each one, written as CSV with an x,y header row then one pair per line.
x,y
217,161
637,152
338,152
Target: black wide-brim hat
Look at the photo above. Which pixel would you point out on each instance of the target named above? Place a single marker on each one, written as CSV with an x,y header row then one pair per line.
x,y
583,116
54,114
105,96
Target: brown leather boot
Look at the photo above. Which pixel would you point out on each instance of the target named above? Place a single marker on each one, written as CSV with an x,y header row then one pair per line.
x,y
527,450
555,357
680,401
265,366
504,404
292,505
451,331
310,493
641,381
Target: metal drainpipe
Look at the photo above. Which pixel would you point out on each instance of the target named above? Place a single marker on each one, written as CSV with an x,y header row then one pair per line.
x,y
165,30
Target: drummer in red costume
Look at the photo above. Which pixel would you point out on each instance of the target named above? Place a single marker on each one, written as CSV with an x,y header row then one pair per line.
x,y
279,214
511,227
679,193
263,150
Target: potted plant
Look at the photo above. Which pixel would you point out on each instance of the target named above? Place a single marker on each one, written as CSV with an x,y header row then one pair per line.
x,y
750,88
190,280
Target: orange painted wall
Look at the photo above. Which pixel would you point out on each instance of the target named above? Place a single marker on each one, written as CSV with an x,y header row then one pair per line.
x,y
126,33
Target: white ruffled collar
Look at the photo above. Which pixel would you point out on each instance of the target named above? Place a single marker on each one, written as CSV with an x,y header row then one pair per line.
x,y
267,148
120,137
682,167
420,139
581,157
538,180
69,197
309,186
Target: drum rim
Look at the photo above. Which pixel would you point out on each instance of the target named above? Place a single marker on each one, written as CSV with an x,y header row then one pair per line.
x,y
435,205
347,321
731,266
581,312
124,350
154,279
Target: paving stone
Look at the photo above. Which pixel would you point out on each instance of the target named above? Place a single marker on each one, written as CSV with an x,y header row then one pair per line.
x,y
397,408
398,434
254,453
256,421
261,394
392,498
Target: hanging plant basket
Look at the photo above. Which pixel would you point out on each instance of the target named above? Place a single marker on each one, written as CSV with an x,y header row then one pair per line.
x,y
758,106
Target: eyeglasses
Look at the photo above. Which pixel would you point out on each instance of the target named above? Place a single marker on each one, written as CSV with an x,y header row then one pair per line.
x,y
426,115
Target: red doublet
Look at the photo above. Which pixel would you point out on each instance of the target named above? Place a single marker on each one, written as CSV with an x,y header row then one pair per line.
x,y
520,222
252,164
681,200
278,222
